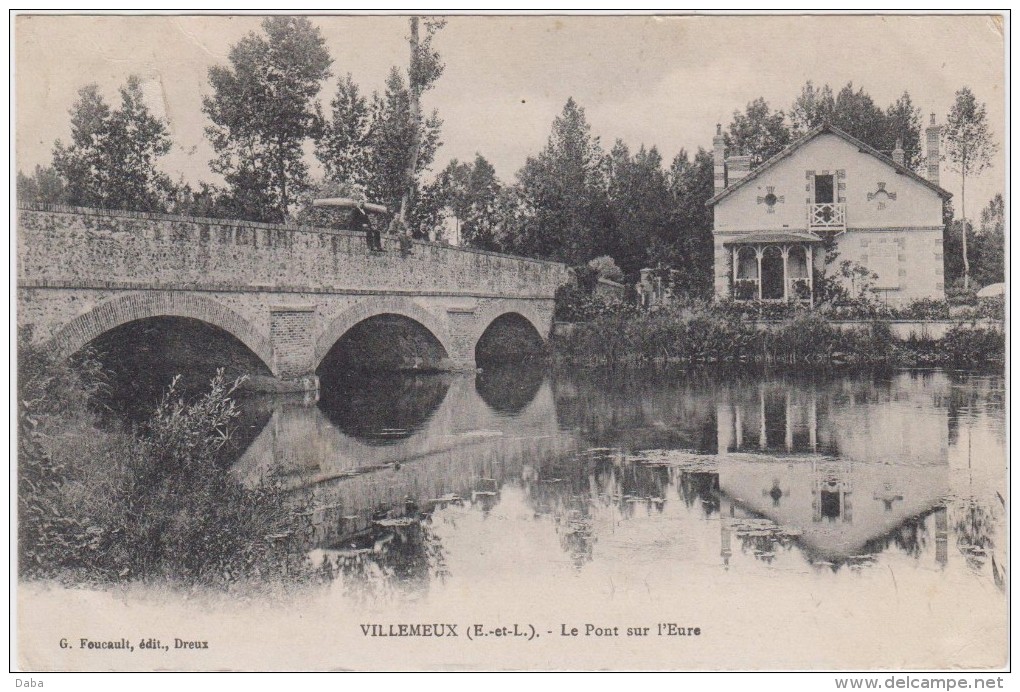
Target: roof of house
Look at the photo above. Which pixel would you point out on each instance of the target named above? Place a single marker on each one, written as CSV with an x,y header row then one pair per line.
x,y
780,237
812,134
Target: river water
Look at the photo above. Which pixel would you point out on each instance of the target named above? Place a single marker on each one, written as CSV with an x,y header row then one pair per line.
x,y
778,521
817,503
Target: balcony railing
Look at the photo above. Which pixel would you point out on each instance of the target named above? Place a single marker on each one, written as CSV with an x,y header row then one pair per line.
x,y
830,216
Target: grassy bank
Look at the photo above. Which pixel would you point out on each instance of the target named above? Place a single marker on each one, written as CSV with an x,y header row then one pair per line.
x,y
707,334
98,504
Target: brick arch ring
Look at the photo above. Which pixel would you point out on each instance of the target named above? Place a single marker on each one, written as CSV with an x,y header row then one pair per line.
x,y
136,306
373,307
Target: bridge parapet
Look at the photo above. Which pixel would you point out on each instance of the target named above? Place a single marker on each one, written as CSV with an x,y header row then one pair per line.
x,y
288,293
130,250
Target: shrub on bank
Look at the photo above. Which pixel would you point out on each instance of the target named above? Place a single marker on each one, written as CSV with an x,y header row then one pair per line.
x,y
701,334
973,347
154,504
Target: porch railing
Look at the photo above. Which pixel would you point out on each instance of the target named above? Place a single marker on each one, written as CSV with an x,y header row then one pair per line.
x,y
830,216
797,289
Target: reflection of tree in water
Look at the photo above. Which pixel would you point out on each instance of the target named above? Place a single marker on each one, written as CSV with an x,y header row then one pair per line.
x,y
974,527
381,408
566,489
701,488
575,489
641,485
760,536
509,389
970,395
910,537
395,557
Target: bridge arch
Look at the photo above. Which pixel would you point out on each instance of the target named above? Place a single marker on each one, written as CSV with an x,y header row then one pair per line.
x,y
509,331
499,308
145,304
373,307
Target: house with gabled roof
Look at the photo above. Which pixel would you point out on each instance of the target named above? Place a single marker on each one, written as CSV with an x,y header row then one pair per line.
x,y
774,225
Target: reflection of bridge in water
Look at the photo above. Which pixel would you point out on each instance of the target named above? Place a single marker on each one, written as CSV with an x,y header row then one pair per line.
x,y
841,468
463,448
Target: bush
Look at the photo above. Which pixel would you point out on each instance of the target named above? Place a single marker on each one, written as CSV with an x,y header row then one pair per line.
x,y
605,268
575,303
923,309
973,347
705,334
956,294
105,505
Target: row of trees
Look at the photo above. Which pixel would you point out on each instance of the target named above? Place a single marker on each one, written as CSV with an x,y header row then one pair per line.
x,y
761,132
572,201
263,111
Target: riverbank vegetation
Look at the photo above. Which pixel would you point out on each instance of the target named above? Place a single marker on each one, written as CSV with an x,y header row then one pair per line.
x,y
153,503
703,333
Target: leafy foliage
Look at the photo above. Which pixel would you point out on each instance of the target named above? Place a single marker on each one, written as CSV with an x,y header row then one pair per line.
x,y
702,333
44,186
262,113
564,212
969,148
856,113
758,132
605,268
111,160
366,145
104,505
475,197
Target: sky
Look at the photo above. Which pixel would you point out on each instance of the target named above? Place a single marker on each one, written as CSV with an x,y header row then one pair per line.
x,y
662,81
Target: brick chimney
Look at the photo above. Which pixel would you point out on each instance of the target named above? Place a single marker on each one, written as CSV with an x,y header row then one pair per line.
x,y
737,168
719,159
897,153
933,133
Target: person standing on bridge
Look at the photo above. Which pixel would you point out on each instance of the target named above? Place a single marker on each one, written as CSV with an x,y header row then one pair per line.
x,y
361,222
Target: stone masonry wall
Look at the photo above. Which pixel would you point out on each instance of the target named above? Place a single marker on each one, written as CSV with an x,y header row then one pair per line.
x,y
105,249
287,293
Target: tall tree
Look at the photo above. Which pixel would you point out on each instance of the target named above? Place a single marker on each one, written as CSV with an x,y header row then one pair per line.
x,y
424,70
641,205
903,125
969,149
342,144
111,160
365,145
856,113
813,107
758,132
262,111
565,212
690,246
471,191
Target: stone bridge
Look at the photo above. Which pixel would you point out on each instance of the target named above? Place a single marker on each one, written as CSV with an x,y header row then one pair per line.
x,y
288,293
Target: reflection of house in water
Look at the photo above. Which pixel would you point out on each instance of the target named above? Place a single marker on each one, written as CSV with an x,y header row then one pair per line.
x,y
839,470
776,418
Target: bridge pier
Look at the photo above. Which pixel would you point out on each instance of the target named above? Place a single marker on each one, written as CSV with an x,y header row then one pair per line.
x,y
304,384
